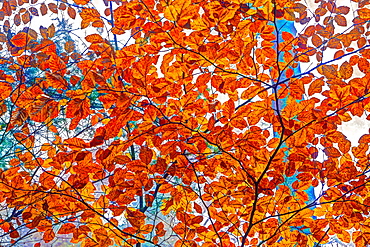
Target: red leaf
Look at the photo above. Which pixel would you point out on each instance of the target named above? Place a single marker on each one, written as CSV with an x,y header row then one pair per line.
x,y
96,141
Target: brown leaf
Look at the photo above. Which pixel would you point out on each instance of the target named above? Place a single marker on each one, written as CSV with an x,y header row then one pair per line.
x,y
71,12
51,31
43,9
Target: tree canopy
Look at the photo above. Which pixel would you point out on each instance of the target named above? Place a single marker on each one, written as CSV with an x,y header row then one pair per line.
x,y
183,123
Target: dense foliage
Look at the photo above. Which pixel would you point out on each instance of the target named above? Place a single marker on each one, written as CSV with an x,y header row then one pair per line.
x,y
183,123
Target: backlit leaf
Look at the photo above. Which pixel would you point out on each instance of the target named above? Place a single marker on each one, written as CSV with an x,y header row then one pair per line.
x,y
364,13
332,152
345,70
21,39
81,2
67,228
343,10
146,155
48,235
315,87
34,11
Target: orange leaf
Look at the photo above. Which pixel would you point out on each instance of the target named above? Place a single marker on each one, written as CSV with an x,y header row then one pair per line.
x,y
329,71
315,87
57,65
344,236
146,155
69,46
88,16
198,208
364,13
250,92
332,152
13,232
48,235
76,143
338,54
94,38
67,228
56,81
316,40
53,7
159,229
43,32
343,10
17,20
289,73
81,2
21,39
340,20
345,70
228,108
5,90
287,36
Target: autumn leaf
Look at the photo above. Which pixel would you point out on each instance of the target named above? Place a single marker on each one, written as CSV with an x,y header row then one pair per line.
x,y
364,13
21,39
67,228
5,90
215,121
48,235
146,155
345,70
71,12
89,16
340,20
81,2
51,31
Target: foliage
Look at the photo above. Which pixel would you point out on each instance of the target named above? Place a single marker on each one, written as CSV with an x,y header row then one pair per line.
x,y
184,123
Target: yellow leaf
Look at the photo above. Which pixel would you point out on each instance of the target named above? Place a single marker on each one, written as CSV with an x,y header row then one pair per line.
x,y
229,13
174,10
198,24
344,237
